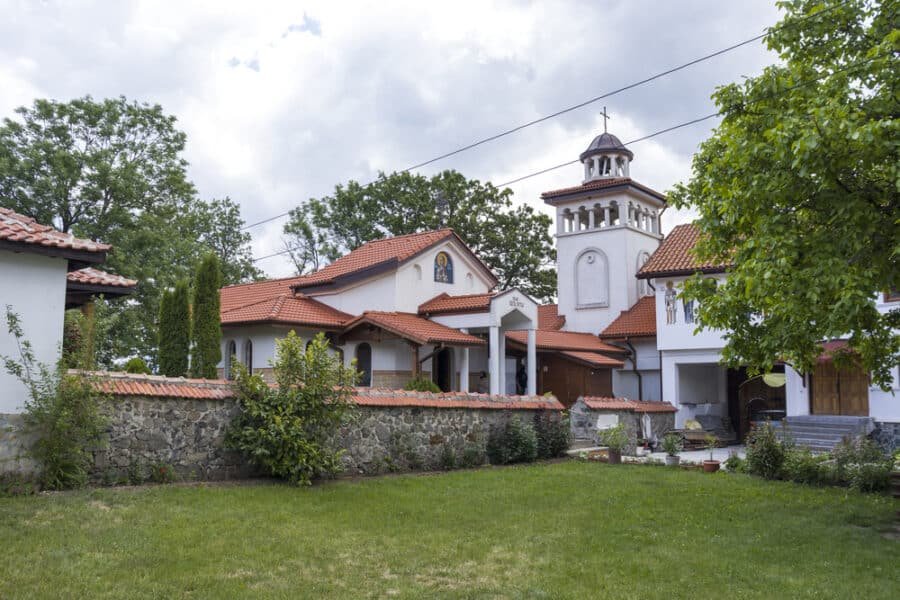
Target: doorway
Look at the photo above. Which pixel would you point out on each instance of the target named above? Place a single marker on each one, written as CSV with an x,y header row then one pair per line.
x,y
839,391
442,369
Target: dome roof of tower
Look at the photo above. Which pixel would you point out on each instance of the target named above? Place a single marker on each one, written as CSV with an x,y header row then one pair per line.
x,y
606,143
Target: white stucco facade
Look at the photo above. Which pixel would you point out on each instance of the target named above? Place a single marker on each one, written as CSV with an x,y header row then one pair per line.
x,y
35,287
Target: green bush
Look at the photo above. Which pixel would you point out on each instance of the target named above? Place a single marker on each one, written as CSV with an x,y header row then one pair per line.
x,y
15,484
447,459
857,451
514,442
765,453
672,444
735,464
616,438
137,365
552,434
869,477
472,456
422,384
803,466
162,473
62,410
286,430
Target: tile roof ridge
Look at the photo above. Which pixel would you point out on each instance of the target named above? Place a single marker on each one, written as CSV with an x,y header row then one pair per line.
x,y
276,307
254,302
261,281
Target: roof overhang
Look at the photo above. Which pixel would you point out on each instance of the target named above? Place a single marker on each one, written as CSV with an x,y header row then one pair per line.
x,y
681,273
635,188
77,258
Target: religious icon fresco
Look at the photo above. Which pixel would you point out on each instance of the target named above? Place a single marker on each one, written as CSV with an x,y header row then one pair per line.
x,y
671,305
443,268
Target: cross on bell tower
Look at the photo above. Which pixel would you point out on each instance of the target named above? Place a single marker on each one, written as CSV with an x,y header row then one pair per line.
x,y
605,118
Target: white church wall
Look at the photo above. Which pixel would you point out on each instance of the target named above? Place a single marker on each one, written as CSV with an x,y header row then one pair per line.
x,y
692,388
377,293
35,287
681,335
415,282
796,393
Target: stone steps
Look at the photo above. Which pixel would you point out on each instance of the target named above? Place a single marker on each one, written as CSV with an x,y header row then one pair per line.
x,y
823,432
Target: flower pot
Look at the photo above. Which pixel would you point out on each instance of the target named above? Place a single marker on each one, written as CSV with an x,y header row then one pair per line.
x,y
710,466
672,461
615,457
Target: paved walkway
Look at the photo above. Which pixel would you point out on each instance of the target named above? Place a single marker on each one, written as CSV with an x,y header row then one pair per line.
x,y
687,456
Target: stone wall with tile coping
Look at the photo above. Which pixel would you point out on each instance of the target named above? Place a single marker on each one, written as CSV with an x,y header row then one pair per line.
x,y
583,422
182,423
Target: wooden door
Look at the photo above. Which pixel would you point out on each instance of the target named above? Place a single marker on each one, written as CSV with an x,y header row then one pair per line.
x,y
836,391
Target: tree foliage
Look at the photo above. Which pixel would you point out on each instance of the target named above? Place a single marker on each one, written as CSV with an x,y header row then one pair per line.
x,y
112,171
514,241
174,331
206,332
287,429
798,188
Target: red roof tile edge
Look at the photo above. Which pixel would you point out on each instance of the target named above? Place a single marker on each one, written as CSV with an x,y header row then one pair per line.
x,y
157,386
639,406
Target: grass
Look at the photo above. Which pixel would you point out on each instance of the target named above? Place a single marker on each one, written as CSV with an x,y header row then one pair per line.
x,y
543,531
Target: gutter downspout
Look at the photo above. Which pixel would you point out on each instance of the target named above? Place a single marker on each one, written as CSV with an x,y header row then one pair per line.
x,y
634,368
658,351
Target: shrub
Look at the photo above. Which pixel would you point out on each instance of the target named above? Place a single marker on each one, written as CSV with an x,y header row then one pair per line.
x,y
672,444
857,451
472,456
137,365
514,442
616,438
735,464
287,429
14,484
174,336
447,459
765,454
422,384
869,477
162,473
803,466
552,434
62,410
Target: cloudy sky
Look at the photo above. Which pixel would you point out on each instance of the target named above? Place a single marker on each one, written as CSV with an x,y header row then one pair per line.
x,y
283,100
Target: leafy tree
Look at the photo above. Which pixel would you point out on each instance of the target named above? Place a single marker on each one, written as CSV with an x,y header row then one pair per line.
x,y
174,331
798,188
112,170
207,333
513,241
288,429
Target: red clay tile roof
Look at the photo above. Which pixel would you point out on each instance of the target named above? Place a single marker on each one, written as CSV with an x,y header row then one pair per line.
x,y
19,229
381,253
387,397
125,384
637,321
640,406
288,309
675,257
599,184
594,359
549,318
565,340
446,304
417,329
242,294
92,276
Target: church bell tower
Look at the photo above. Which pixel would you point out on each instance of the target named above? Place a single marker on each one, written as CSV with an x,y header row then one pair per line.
x,y
606,228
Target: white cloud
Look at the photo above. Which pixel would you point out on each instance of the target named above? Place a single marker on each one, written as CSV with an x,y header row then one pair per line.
x,y
281,101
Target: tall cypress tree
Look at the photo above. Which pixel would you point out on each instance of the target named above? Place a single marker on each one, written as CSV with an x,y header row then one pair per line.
x,y
207,333
175,331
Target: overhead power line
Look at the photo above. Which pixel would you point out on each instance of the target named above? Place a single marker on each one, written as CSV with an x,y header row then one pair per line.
x,y
569,109
651,135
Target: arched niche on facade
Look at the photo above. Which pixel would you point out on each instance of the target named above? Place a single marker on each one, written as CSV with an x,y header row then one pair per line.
x,y
248,356
643,288
591,279
364,364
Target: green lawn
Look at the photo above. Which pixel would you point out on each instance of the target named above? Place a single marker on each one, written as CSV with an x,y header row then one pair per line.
x,y
570,529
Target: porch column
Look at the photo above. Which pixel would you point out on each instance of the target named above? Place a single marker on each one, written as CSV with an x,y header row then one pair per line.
x,y
501,360
591,218
464,367
607,219
576,222
493,362
531,366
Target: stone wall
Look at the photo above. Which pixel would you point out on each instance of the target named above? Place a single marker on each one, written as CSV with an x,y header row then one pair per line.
x,y
584,414
182,423
14,445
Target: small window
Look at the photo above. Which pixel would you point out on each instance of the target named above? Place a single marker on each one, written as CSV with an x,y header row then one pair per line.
x,y
364,364
443,268
248,356
230,357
